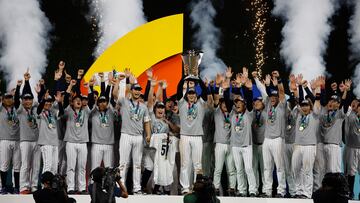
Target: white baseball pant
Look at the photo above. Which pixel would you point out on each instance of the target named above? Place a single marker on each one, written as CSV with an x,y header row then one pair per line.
x,y
76,156
101,152
289,149
223,154
10,153
50,155
62,157
243,158
352,160
190,154
302,166
30,165
131,144
273,150
258,163
319,166
332,154
148,158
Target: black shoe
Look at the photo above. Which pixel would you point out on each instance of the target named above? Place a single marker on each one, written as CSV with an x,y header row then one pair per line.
x,y
71,192
217,192
279,196
231,192
83,192
252,195
301,197
263,195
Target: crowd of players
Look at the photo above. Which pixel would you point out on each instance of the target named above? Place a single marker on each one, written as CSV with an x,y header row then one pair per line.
x,y
292,129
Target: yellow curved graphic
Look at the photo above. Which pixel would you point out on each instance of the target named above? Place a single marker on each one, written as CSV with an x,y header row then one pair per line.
x,y
143,47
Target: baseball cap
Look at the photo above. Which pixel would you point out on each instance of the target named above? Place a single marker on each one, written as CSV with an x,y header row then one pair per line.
x,y
191,91
49,99
76,96
239,99
304,102
274,93
159,105
8,96
102,98
27,96
136,87
257,98
335,98
84,97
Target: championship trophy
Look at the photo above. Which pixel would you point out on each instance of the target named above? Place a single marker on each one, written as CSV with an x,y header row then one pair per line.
x,y
192,60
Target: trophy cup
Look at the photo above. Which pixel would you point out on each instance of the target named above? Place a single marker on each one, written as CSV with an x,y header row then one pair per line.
x,y
192,59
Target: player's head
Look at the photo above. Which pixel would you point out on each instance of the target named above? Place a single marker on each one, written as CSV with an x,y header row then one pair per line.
x,y
102,103
168,104
159,110
48,102
258,103
306,106
191,95
76,102
274,98
222,105
27,100
204,188
135,91
335,102
8,100
84,100
239,104
175,107
354,104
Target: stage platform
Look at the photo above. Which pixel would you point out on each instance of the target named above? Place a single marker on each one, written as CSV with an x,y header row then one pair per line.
x,y
157,199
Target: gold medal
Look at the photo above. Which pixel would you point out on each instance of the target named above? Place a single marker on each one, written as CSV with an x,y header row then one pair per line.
x,y
50,125
77,125
104,125
189,117
11,122
237,128
289,127
135,117
301,128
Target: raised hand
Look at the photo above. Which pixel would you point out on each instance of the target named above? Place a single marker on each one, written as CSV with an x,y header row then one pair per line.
x,y
267,80
110,76
186,69
164,84
19,82
127,72
27,75
153,82
73,82
238,79
245,72
149,73
228,72
299,79
218,79
101,75
348,83
275,73
92,81
132,79
255,74
206,82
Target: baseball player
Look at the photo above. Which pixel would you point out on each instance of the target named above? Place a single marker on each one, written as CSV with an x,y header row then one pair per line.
x,y
48,114
164,144
102,119
241,141
331,130
258,130
9,140
191,112
135,123
273,146
303,158
352,150
76,137
29,132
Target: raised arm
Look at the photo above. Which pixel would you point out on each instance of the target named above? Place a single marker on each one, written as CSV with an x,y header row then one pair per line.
x,y
150,102
17,94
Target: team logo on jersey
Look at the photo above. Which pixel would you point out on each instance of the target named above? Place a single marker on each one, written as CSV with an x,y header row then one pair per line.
x,y
328,119
272,115
192,112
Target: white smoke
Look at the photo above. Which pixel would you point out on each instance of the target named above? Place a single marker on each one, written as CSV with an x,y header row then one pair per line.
x,y
354,32
305,34
24,37
115,18
207,37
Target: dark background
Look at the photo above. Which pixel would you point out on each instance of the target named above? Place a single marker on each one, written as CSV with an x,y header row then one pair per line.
x,y
73,40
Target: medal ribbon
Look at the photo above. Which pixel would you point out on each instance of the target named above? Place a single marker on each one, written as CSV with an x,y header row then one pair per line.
x,y
11,115
238,120
271,114
190,109
133,106
48,117
304,121
103,117
257,118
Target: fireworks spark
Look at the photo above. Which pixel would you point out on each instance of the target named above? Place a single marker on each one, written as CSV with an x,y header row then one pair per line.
x,y
260,10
